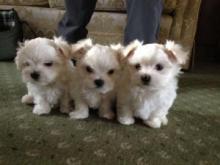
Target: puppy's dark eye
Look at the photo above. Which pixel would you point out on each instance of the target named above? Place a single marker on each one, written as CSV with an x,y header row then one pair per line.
x,y
89,69
159,67
73,61
26,64
111,71
48,64
137,66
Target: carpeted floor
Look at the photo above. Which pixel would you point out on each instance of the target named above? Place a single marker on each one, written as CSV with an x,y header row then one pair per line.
x,y
192,136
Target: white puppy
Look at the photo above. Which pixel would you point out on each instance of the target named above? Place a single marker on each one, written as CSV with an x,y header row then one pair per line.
x,y
45,67
97,68
147,88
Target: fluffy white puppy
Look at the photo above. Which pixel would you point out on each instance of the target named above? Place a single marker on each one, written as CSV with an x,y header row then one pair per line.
x,y
147,88
97,68
45,67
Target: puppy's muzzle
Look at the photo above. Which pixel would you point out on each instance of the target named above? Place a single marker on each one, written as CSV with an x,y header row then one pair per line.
x,y
35,76
99,83
145,79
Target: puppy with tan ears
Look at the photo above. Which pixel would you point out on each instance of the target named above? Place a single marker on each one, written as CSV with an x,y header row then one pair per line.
x,y
97,69
148,84
45,68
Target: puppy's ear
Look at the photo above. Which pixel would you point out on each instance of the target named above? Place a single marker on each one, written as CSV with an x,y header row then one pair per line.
x,y
130,48
79,49
17,59
175,52
117,47
119,51
22,44
63,47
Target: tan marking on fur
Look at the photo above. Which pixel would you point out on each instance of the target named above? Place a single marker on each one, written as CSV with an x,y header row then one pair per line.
x,y
170,55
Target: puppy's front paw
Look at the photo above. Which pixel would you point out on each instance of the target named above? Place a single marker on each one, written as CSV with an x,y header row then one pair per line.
x,y
153,123
164,120
79,114
27,99
40,110
126,120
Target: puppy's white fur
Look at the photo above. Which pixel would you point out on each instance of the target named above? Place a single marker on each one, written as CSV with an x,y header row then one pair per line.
x,y
147,88
94,63
45,67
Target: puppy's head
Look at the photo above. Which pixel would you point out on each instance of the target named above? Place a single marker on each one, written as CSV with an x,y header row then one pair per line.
x,y
42,60
98,65
153,66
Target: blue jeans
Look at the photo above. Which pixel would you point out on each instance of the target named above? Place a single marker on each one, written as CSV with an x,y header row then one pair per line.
x,y
143,20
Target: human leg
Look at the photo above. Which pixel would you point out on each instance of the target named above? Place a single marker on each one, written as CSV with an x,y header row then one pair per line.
x,y
72,27
143,21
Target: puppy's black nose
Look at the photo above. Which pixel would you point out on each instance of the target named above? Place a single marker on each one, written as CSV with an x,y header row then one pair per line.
x,y
99,83
35,75
145,79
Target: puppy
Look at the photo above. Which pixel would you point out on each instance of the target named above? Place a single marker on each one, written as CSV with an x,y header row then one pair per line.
x,y
147,88
45,67
97,68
